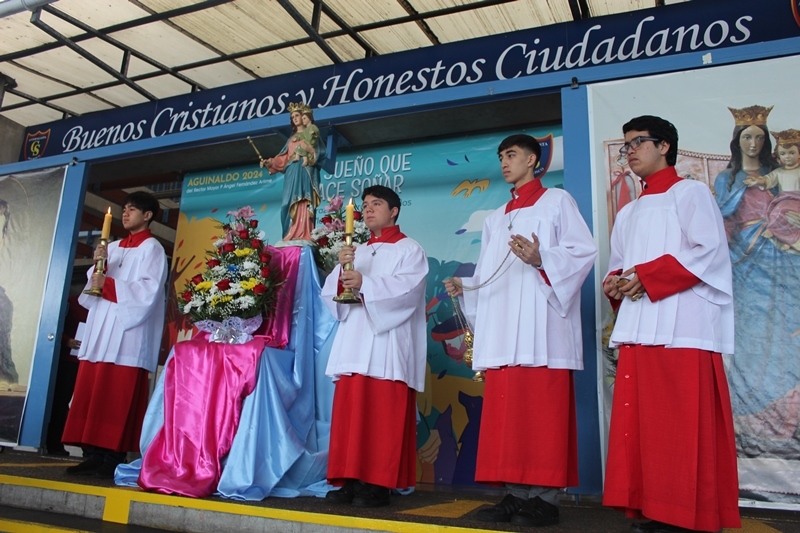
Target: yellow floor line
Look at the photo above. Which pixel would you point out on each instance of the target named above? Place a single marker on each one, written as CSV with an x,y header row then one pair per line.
x,y
753,526
446,510
118,500
18,526
37,465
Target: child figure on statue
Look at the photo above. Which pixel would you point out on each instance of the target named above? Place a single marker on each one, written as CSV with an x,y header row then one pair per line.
x,y
783,213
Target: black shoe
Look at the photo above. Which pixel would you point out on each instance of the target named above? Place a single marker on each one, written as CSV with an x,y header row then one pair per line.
x,y
87,467
57,451
502,511
105,471
536,513
372,496
654,526
345,494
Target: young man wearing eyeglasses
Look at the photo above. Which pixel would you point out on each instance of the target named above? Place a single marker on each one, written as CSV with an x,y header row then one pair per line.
x,y
671,452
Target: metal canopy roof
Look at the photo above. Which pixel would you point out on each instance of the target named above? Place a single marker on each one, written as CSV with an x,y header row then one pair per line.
x,y
73,57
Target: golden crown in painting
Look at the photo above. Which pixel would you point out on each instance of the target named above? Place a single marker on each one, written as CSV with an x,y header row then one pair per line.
x,y
300,107
790,136
755,115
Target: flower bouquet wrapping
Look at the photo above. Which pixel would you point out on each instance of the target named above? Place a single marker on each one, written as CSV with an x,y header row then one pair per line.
x,y
330,235
238,288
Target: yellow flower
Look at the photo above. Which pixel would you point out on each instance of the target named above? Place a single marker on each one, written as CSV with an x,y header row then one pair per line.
x,y
243,252
204,285
217,300
249,284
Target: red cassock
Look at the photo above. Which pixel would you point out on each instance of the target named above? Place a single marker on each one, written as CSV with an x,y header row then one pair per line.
x,y
108,407
373,432
671,450
528,428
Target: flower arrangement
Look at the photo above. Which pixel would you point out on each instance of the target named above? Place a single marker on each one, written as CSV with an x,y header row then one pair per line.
x,y
330,235
238,281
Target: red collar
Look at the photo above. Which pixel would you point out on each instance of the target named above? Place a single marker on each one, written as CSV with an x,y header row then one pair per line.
x,y
135,239
660,182
389,234
525,196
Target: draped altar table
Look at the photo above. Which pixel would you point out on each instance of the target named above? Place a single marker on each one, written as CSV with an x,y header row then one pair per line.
x,y
280,445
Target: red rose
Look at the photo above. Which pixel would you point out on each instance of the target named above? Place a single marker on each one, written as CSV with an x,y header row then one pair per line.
x,y
253,223
265,272
197,279
256,243
356,215
322,241
224,284
228,247
327,219
244,234
187,296
265,257
212,263
260,289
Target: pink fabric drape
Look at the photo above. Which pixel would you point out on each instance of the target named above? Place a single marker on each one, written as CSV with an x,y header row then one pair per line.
x,y
204,387
278,326
205,384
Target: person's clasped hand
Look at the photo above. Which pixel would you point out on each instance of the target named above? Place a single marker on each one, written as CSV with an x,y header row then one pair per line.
x,y
346,255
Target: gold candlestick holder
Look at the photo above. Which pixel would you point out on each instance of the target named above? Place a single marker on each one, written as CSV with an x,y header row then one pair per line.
x,y
347,296
99,266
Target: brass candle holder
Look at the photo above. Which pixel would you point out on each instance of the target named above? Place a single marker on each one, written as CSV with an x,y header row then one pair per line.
x,y
99,266
347,296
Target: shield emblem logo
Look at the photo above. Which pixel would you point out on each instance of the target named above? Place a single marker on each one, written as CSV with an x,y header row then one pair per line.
x,y
547,156
35,144
796,11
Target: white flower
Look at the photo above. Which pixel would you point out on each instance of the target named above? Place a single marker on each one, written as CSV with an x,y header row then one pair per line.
x,y
245,302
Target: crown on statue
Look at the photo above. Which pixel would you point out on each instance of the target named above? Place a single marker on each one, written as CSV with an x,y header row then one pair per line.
x,y
755,115
300,107
789,136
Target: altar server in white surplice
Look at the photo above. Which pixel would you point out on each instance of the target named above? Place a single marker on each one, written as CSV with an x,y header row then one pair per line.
x,y
524,304
377,359
120,344
671,448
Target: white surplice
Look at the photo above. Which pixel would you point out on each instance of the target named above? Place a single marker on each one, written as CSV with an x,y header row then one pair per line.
x,y
684,222
519,319
128,332
385,337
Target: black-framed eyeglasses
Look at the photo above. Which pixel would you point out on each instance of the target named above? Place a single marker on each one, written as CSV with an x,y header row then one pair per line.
x,y
635,142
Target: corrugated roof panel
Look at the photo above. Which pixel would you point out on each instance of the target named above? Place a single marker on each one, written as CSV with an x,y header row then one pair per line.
x,y
17,34
138,66
218,74
609,7
165,44
397,38
357,12
306,8
164,86
82,103
31,82
32,114
121,96
100,13
287,60
105,52
491,20
346,48
66,65
239,26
